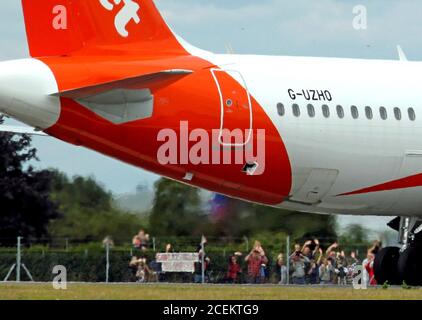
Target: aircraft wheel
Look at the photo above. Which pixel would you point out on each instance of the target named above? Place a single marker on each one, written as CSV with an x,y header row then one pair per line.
x,y
410,265
385,266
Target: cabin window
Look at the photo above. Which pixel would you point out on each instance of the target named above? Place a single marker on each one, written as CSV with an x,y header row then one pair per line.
x,y
383,113
311,111
326,111
355,112
412,114
280,109
340,112
397,114
296,110
369,114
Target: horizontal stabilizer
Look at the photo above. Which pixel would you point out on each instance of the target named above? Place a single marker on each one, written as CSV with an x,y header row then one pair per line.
x,y
22,130
146,81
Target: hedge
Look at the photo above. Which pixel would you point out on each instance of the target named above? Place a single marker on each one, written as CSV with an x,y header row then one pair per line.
x,y
90,265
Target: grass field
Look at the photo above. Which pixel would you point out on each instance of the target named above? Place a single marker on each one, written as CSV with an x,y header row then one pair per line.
x,y
193,292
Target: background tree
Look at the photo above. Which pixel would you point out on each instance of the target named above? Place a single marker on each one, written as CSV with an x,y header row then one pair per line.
x,y
357,237
25,206
236,218
177,210
88,213
355,233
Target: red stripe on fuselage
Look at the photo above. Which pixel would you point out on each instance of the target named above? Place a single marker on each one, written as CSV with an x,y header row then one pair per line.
x,y
408,182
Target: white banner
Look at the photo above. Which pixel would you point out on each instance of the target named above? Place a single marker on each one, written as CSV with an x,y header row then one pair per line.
x,y
177,262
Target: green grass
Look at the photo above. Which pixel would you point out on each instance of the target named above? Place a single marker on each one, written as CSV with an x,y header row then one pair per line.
x,y
193,292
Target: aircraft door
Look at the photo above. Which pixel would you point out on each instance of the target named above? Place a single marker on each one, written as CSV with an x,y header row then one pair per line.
x,y
236,107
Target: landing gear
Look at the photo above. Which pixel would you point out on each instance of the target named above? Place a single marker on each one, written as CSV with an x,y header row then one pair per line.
x,y
410,265
397,265
385,266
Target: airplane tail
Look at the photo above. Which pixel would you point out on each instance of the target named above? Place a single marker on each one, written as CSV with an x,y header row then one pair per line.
x,y
97,27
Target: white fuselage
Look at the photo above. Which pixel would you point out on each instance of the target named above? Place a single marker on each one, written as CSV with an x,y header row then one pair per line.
x,y
332,156
329,156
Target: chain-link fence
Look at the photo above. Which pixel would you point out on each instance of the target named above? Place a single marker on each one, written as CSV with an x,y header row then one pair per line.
x,y
182,260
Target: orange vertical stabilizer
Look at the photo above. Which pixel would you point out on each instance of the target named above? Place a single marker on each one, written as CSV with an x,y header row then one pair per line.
x,y
97,27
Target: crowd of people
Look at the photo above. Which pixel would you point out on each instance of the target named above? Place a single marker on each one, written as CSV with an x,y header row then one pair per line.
x,y
308,264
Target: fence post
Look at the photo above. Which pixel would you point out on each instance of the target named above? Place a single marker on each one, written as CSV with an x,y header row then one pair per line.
x,y
107,260
153,244
203,259
18,260
288,259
